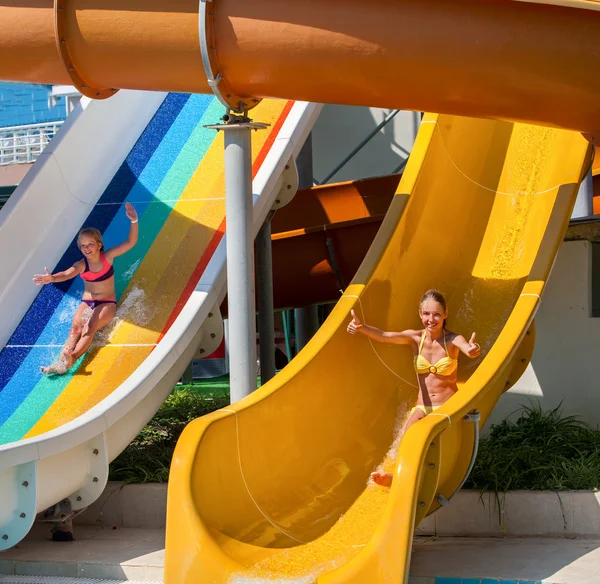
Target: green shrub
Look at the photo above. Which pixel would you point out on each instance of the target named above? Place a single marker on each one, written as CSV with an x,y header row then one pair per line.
x,y
148,457
541,450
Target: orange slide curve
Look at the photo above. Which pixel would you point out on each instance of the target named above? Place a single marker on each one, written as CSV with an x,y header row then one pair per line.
x,y
507,59
322,235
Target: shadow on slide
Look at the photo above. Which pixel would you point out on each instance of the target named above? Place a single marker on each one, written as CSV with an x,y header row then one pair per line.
x,y
276,487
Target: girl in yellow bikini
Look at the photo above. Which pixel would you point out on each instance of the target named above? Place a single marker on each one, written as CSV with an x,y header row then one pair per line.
x,y
436,357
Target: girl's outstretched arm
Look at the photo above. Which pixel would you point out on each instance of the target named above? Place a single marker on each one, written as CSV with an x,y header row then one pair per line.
x,y
132,239
401,338
47,278
470,348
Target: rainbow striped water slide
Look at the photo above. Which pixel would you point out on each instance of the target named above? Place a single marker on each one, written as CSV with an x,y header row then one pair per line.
x,y
58,433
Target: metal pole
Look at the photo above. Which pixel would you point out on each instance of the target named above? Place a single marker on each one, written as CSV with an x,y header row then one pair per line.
x,y
188,375
240,253
304,164
400,166
240,261
584,205
287,333
307,324
266,315
226,337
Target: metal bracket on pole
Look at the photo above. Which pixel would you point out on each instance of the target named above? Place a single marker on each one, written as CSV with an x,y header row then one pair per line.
x,y
208,50
18,485
288,185
62,45
212,332
97,477
237,120
266,310
442,500
61,517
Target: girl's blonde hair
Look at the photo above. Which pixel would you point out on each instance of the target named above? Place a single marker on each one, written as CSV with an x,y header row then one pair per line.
x,y
94,234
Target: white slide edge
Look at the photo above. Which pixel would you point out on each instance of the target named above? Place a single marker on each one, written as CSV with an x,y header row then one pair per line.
x,y
63,459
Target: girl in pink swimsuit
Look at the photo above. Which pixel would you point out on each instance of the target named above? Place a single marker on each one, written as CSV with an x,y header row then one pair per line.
x,y
98,304
435,350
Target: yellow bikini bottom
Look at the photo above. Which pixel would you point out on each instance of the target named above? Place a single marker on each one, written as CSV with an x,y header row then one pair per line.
x,y
425,409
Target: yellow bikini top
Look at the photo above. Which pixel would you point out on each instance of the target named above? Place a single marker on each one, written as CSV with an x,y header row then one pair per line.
x,y
445,366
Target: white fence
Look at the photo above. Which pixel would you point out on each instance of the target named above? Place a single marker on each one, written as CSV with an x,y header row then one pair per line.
x,y
23,144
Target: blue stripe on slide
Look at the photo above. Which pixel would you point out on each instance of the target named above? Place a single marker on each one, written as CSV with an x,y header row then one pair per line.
x,y
38,315
163,180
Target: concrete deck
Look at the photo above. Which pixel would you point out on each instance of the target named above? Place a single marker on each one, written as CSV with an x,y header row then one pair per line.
x,y
119,554
547,560
138,554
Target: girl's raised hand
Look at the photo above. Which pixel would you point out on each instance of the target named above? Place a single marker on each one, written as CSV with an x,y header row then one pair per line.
x,y
41,279
474,348
131,212
354,325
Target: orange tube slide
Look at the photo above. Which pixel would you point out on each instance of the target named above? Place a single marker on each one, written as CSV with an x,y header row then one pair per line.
x,y
526,61
321,237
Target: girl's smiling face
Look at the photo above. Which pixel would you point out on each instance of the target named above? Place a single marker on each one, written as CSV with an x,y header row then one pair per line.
x,y
88,246
432,315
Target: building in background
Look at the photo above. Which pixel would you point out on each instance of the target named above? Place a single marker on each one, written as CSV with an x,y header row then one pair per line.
x,y
30,115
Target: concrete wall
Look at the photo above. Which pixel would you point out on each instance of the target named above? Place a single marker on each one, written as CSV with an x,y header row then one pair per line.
x,y
470,514
340,129
26,103
565,361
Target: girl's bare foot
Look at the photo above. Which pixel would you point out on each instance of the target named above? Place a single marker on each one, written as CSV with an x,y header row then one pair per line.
x,y
61,365
382,479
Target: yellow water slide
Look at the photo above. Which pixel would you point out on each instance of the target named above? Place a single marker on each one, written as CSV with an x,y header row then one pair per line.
x,y
276,486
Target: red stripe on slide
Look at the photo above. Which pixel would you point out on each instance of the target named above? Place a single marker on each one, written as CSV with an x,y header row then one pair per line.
x,y
216,238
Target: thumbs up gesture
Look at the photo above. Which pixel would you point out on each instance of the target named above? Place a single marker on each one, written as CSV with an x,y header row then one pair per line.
x,y
354,325
474,348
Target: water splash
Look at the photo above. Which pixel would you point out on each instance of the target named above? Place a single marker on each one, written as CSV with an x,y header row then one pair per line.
x,y
388,464
128,274
68,309
134,308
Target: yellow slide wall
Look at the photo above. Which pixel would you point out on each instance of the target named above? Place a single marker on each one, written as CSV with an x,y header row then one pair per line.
x,y
276,485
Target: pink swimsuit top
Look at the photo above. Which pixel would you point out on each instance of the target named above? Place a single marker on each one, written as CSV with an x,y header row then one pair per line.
x,y
105,273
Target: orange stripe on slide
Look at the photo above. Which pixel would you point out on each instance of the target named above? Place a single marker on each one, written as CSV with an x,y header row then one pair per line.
x,y
216,239
269,142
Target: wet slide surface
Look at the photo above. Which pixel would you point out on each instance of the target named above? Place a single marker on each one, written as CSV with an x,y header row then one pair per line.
x,y
174,178
275,488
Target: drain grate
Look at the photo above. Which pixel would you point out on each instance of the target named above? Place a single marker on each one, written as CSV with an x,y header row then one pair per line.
x,y
5,579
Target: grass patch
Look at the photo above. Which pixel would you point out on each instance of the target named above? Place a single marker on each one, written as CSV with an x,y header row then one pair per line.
x,y
541,450
212,385
148,458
